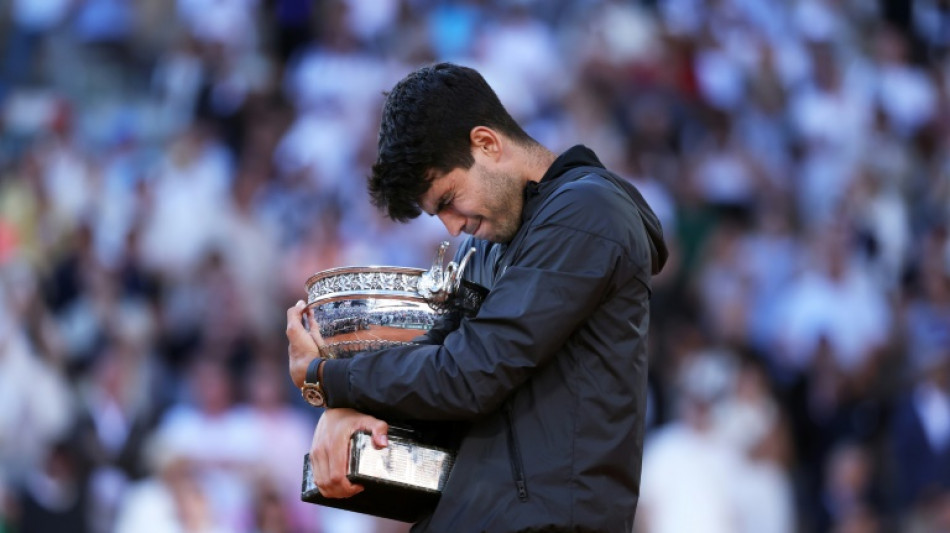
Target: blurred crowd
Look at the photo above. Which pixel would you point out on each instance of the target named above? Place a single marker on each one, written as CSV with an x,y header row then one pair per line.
x,y
171,173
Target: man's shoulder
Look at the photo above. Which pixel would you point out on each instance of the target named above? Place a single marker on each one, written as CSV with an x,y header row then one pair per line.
x,y
593,186
595,202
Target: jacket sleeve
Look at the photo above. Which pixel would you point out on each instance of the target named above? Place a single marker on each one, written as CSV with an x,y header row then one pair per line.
x,y
558,280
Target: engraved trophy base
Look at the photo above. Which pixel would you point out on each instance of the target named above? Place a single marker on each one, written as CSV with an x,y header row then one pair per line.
x,y
402,481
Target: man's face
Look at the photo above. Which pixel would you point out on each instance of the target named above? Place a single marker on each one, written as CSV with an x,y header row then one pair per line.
x,y
479,201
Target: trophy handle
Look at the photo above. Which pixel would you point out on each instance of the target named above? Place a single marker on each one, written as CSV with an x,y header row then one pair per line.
x,y
454,271
437,284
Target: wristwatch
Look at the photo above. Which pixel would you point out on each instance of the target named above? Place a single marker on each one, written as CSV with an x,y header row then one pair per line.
x,y
312,390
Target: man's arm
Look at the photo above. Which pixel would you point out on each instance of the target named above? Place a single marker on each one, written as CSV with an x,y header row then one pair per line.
x,y
328,450
560,279
304,343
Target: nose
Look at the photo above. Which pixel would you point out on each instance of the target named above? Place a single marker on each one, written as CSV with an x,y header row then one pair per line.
x,y
453,222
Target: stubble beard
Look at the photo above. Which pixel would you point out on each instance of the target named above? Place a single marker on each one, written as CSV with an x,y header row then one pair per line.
x,y
505,202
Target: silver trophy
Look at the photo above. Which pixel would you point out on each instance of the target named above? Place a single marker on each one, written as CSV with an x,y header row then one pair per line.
x,y
376,307
369,308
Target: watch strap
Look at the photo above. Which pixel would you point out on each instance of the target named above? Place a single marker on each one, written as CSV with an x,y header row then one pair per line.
x,y
313,371
312,391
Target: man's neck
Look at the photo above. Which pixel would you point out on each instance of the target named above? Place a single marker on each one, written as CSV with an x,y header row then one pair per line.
x,y
538,160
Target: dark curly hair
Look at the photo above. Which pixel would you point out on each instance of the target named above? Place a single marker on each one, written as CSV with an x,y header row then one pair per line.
x,y
425,127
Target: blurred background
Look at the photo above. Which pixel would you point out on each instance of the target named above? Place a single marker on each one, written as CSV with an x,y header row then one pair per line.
x,y
171,172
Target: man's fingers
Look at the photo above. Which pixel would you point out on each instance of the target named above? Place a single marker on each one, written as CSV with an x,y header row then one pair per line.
x,y
295,319
295,329
301,348
296,311
316,467
330,450
297,334
339,486
380,431
330,483
333,482
338,491
320,458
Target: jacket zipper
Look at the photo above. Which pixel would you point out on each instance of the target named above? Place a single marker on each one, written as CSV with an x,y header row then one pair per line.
x,y
517,468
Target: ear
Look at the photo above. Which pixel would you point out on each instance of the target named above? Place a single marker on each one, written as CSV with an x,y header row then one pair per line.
x,y
487,142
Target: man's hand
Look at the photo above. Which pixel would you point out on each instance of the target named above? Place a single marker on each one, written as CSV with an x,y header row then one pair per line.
x,y
304,346
329,453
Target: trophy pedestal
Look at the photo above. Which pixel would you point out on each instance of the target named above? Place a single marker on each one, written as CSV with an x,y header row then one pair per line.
x,y
402,481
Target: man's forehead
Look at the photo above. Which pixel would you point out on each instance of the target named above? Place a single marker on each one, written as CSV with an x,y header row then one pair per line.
x,y
434,174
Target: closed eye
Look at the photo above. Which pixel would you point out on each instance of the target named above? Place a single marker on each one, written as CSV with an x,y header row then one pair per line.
x,y
444,202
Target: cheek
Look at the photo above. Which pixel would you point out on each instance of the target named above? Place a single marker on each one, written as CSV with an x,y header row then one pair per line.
x,y
467,207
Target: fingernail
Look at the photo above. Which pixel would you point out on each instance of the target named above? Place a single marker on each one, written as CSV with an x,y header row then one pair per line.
x,y
300,303
383,440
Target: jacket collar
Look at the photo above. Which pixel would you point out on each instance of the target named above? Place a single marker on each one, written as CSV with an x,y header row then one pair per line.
x,y
536,192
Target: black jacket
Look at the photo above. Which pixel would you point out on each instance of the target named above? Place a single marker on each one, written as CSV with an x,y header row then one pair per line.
x,y
551,373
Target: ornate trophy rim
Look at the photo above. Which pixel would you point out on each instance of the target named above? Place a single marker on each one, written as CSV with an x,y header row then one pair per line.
x,y
398,287
356,269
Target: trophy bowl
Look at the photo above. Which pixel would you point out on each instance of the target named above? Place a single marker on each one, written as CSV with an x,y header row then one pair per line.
x,y
369,308
376,307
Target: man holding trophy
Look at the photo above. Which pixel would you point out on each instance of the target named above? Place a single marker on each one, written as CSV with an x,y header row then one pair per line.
x,y
548,378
